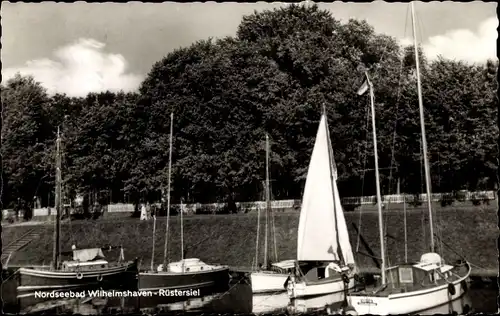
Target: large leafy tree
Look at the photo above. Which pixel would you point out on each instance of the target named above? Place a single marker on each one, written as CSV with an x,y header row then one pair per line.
x,y
27,141
462,110
275,77
100,142
325,63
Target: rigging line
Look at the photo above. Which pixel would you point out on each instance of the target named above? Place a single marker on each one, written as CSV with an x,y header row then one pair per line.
x,y
273,221
363,175
399,86
274,235
421,192
435,214
439,219
257,240
460,255
63,189
398,97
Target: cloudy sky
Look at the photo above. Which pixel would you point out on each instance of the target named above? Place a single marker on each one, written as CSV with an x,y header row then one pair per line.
x,y
79,47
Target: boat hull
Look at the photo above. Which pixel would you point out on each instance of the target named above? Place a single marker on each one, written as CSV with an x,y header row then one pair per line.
x,y
154,281
304,289
409,302
31,280
267,282
37,285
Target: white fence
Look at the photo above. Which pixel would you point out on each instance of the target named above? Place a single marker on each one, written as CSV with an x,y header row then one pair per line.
x,y
289,204
44,211
121,208
436,197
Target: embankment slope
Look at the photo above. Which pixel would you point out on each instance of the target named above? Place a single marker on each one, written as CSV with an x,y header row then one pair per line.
x,y
230,239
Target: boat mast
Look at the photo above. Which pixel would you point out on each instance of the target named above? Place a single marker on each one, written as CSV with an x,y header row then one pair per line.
x,y
168,192
377,180
182,237
154,239
422,126
268,202
57,230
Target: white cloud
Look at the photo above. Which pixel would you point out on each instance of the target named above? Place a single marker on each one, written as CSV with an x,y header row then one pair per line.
x,y
80,68
463,44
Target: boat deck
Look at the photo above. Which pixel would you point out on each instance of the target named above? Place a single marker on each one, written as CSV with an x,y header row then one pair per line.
x,y
420,280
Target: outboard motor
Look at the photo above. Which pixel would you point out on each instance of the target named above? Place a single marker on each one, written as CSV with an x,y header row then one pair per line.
x,y
290,285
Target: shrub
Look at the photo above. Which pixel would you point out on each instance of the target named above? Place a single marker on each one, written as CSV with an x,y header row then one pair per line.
x,y
350,207
416,201
447,199
28,214
297,205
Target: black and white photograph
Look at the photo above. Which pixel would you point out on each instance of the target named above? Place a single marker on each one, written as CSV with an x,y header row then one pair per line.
x,y
260,158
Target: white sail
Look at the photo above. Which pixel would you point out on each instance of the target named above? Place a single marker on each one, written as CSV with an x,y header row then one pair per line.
x,y
343,234
345,243
317,234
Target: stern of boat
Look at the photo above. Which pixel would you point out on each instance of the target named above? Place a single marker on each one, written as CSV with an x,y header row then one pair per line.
x,y
265,282
425,300
364,305
299,288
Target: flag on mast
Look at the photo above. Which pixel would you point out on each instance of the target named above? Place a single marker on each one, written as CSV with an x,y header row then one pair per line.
x,y
363,88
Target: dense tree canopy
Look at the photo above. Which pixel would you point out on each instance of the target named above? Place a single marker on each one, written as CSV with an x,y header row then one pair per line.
x,y
273,77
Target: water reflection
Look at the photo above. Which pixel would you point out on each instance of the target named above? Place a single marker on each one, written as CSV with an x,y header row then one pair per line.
x,y
331,303
234,299
270,303
156,304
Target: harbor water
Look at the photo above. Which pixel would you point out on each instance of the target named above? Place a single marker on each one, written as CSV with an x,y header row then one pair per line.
x,y
237,298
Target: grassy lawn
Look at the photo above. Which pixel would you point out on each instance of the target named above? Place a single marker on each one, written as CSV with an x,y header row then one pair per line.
x,y
230,239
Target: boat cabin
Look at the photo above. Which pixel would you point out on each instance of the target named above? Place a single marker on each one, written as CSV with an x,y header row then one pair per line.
x,y
430,271
188,265
316,271
283,267
86,259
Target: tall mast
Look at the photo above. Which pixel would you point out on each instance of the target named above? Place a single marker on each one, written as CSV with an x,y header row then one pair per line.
x,y
168,191
377,180
268,202
57,237
422,126
154,239
182,235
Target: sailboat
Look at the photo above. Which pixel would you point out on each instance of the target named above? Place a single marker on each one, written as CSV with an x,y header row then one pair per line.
x,y
273,276
323,241
419,286
188,273
88,267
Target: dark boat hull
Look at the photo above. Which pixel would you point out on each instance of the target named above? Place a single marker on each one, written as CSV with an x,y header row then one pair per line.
x,y
38,285
31,280
154,281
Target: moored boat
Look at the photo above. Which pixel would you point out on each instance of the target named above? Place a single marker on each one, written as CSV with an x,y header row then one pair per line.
x,y
411,287
325,261
188,273
88,267
271,277
274,279
414,288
